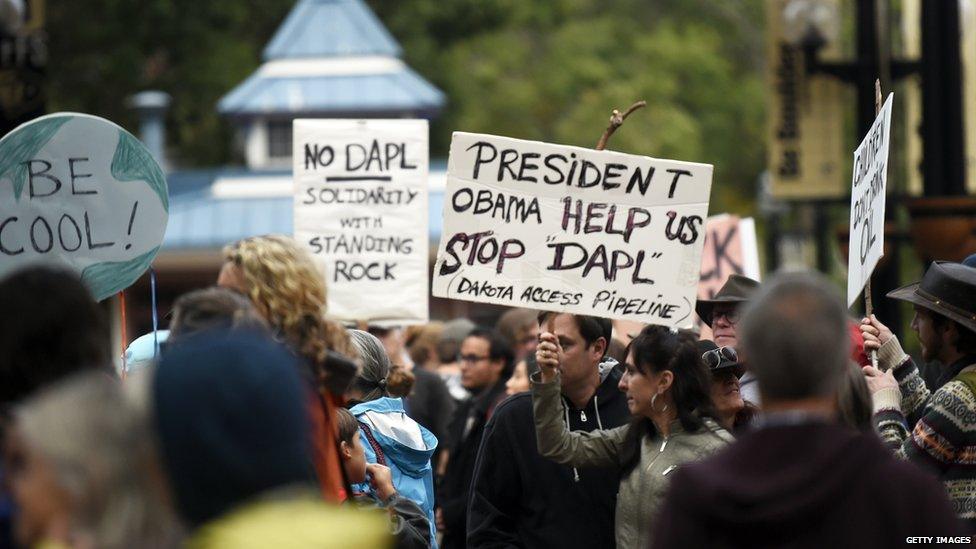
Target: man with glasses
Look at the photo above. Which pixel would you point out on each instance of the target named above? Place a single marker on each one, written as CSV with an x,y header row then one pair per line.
x,y
486,363
521,499
721,314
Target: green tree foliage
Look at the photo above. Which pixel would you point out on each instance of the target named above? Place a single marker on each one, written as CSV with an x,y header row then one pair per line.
x,y
538,69
102,51
553,70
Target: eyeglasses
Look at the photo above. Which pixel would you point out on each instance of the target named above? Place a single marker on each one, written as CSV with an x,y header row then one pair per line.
x,y
714,357
471,359
731,316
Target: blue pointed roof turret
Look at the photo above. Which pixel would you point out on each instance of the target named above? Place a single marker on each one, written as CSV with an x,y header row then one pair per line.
x,y
330,28
332,58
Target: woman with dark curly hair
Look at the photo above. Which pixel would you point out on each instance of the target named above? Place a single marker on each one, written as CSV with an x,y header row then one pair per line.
x,y
668,394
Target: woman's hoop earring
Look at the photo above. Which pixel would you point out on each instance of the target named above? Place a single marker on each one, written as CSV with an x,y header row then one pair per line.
x,y
653,399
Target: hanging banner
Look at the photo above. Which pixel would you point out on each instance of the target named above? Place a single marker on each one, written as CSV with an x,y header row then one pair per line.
x,y
361,210
80,191
869,183
559,228
805,119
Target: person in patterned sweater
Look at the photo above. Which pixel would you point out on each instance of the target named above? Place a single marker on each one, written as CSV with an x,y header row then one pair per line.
x,y
943,439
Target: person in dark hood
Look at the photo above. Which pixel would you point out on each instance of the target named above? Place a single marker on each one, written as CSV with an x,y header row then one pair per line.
x,y
800,478
232,430
486,364
521,499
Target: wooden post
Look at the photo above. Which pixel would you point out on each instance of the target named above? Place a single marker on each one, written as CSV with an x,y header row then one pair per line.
x,y
868,305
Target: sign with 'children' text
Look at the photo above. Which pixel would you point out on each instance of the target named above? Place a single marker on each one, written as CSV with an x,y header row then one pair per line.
x,y
868,203
79,191
361,210
569,229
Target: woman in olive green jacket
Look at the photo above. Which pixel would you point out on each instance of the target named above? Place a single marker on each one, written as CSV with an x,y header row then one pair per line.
x,y
667,387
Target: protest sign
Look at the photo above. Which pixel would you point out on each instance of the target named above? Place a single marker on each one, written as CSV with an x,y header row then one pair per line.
x,y
569,229
361,209
870,180
730,248
80,191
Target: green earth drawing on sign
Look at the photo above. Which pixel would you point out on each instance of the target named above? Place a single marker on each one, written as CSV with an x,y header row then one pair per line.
x,y
80,191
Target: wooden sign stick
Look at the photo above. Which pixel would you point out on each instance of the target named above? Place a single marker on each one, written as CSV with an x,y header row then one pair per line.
x,y
616,120
868,305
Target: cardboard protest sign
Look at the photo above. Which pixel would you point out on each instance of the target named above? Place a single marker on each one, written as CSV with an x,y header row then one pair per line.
x,y
80,191
361,209
569,229
868,203
730,248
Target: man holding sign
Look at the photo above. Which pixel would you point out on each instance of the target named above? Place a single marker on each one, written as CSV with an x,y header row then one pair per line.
x,y
574,230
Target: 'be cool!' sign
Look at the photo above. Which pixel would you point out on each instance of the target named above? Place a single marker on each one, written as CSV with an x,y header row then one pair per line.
x,y
81,191
569,229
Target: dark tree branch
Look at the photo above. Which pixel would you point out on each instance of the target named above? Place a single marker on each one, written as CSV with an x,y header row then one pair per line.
x,y
616,120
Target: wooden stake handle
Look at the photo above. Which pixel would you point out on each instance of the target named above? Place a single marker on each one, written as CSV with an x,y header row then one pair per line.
x,y
868,305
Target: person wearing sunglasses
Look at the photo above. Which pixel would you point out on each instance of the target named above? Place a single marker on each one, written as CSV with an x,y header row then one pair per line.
x,y
731,411
721,314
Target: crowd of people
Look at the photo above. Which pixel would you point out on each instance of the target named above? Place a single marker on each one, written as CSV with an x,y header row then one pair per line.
x,y
255,420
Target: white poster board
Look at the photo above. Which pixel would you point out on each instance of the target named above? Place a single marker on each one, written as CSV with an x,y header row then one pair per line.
x,y
559,228
81,192
361,210
730,248
870,180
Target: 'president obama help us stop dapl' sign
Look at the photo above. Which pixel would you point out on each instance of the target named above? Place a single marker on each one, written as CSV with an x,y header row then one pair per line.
x,y
80,191
569,229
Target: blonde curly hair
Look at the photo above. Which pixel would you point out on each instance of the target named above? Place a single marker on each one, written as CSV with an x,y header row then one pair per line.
x,y
288,290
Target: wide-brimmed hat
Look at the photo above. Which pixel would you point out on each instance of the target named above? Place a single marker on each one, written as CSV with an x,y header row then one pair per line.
x,y
948,289
737,289
725,362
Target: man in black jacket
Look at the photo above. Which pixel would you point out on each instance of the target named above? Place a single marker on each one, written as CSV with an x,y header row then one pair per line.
x,y
486,364
521,499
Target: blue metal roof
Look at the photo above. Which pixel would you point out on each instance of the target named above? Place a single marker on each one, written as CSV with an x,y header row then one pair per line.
x,y
327,28
198,220
403,91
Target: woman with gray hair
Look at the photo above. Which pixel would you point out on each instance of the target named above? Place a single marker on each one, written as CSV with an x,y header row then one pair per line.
x,y
82,470
388,434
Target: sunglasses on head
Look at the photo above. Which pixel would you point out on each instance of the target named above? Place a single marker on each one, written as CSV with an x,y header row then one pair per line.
x,y
714,357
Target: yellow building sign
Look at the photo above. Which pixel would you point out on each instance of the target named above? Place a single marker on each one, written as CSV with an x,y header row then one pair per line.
x,y
804,121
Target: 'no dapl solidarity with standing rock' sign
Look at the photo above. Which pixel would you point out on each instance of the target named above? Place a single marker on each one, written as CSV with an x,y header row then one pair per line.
x,y
569,229
361,210
81,192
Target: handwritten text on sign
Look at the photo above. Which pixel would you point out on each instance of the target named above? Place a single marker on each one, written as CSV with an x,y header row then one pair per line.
x,y
80,191
868,203
570,229
361,209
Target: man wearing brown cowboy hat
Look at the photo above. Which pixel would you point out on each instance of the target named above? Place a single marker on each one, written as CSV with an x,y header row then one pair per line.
x,y
721,314
944,436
